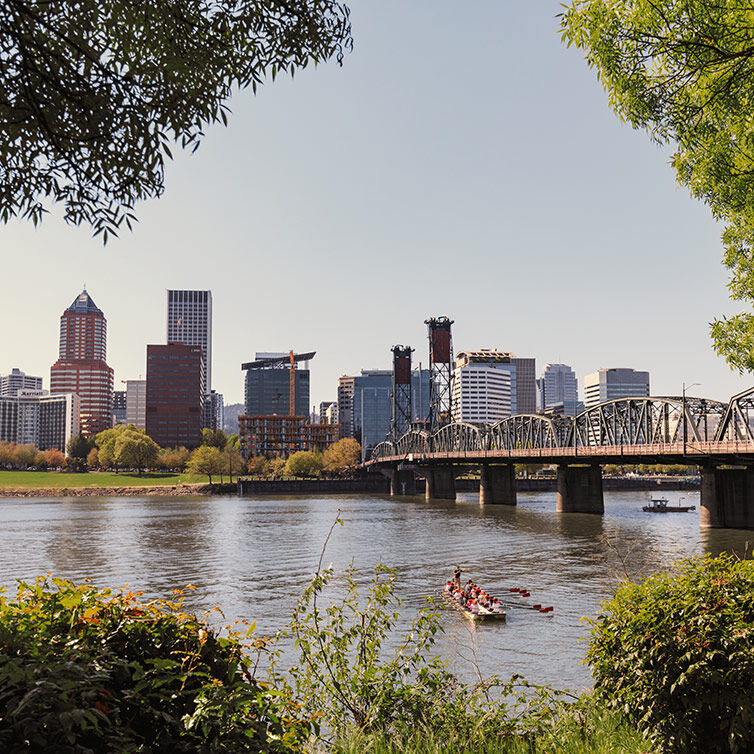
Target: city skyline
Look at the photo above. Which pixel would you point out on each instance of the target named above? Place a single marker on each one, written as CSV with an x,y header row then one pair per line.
x,y
506,196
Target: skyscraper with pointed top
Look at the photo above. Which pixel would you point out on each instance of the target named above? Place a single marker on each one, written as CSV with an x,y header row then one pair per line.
x,y
81,367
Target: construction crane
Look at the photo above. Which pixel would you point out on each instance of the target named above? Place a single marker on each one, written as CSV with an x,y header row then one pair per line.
x,y
292,397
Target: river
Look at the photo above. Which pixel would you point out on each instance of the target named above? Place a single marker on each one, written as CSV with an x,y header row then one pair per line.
x,y
252,557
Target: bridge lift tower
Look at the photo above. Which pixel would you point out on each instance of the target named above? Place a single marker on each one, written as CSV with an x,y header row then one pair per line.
x,y
441,370
400,420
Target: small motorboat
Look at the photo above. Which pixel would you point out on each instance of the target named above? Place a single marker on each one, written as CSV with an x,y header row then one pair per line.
x,y
482,615
660,505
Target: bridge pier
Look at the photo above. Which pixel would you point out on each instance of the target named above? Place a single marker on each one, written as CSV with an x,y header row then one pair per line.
x,y
497,485
441,483
580,489
402,482
726,498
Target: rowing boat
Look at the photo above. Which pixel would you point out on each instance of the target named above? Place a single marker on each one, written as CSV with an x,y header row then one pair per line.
x,y
482,615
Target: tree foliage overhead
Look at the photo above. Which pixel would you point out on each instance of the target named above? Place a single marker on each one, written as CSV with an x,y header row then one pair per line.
x,y
93,94
684,71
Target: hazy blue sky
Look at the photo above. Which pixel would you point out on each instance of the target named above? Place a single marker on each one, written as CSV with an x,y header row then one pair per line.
x,y
462,162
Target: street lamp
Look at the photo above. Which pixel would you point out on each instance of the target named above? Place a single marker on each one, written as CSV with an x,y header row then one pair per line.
x,y
683,405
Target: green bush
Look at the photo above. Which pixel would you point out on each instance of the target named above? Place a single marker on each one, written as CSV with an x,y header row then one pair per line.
x,y
83,670
676,653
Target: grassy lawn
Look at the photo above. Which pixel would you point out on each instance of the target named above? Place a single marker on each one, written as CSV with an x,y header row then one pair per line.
x,y
95,479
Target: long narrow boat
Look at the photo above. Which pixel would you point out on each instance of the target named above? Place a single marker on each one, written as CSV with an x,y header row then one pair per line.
x,y
482,615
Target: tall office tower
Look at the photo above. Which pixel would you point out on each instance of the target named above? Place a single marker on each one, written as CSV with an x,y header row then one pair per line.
x,y
213,411
17,380
345,406
611,384
175,394
523,383
559,386
136,403
481,394
190,322
328,412
267,388
119,407
81,367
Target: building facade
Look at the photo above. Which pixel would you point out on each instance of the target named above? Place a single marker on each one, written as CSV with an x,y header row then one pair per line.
x,y
175,394
281,435
213,411
267,385
136,403
345,406
523,381
611,384
372,405
328,412
481,394
17,380
559,387
81,367
189,321
119,407
35,418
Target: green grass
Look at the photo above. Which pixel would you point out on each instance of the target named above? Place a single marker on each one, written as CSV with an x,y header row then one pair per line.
x,y
595,731
37,479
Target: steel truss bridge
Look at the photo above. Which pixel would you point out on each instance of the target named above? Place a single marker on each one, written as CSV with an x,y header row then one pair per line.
x,y
628,430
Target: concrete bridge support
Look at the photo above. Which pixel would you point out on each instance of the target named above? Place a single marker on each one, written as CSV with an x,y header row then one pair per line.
x,y
402,482
497,485
580,490
441,483
727,498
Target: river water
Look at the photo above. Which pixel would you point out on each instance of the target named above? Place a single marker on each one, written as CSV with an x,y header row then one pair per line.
x,y
251,557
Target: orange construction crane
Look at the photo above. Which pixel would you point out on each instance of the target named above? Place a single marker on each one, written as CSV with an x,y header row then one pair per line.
x,y
293,385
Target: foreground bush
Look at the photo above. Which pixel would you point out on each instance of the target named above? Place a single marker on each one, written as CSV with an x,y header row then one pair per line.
x,y
676,652
83,670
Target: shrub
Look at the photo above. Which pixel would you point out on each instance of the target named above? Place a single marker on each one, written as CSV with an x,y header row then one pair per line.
x,y
87,670
675,652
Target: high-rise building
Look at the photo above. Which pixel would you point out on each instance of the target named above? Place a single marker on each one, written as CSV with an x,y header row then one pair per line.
x,y
189,321
175,394
372,404
523,383
136,403
35,418
213,411
17,380
119,407
481,394
81,367
267,387
611,384
559,386
345,406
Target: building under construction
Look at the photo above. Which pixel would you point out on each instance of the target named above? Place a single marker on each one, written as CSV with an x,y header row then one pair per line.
x,y
277,407
278,435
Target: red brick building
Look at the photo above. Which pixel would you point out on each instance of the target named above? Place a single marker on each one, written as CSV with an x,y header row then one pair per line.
x,y
81,367
175,394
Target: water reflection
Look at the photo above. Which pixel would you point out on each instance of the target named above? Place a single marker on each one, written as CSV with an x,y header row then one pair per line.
x,y
253,557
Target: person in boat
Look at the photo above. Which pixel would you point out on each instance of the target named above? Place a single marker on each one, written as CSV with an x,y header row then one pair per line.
x,y
496,607
474,607
449,587
457,575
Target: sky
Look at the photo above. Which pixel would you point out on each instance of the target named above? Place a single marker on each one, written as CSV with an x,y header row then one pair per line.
x,y
462,162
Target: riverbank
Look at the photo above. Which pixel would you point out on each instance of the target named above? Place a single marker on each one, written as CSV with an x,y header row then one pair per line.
x,y
139,491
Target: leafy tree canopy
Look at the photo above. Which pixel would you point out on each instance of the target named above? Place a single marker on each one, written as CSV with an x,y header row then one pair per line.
x,y
95,93
206,460
304,463
343,455
682,70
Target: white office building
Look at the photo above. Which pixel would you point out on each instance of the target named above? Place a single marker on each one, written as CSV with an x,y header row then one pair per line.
x,y
189,321
136,403
611,384
32,417
11,384
481,394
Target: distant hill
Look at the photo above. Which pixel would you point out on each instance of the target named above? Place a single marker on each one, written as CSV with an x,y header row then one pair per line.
x,y
231,412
